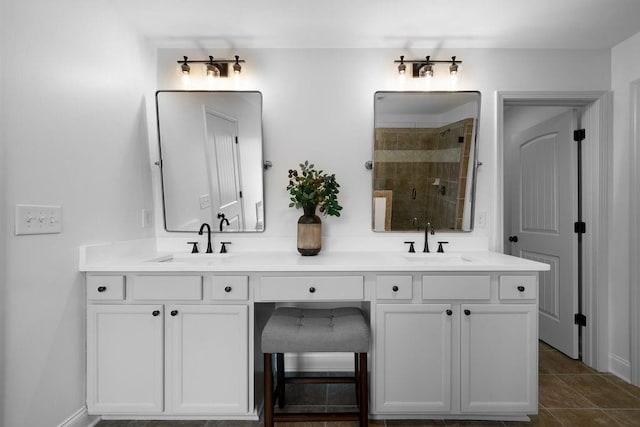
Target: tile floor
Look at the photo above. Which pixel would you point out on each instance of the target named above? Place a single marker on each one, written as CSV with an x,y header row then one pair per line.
x,y
570,394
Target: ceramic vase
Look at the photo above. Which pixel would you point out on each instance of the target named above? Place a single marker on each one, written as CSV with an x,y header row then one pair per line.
x,y
309,231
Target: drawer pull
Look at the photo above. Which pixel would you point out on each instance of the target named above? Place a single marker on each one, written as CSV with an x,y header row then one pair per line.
x,y
174,312
312,289
102,288
449,312
155,313
227,289
467,312
521,288
394,288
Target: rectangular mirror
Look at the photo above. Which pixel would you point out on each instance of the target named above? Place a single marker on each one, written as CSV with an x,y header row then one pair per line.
x,y
424,162
211,160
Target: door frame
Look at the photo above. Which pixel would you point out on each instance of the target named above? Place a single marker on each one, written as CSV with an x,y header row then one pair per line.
x,y
634,250
597,155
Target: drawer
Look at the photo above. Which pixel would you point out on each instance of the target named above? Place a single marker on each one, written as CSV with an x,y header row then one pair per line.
x,y
394,287
167,288
105,288
229,287
456,287
518,287
312,288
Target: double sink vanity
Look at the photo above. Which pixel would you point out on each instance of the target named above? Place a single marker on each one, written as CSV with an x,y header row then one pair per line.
x,y
177,335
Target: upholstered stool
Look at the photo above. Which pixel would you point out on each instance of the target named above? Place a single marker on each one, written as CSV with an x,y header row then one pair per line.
x,y
296,330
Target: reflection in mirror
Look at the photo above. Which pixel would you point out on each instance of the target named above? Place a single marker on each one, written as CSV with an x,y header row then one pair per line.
x,y
424,160
211,160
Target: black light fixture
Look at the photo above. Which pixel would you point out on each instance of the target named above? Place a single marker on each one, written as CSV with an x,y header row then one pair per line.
x,y
213,67
424,67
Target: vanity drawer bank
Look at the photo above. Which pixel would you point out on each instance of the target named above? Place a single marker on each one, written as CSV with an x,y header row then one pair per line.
x,y
175,336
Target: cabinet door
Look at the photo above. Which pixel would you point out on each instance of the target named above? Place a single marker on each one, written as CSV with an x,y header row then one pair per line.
x,y
413,358
207,359
499,358
124,359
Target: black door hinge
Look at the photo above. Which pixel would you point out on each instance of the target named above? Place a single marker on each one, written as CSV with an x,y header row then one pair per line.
x,y
241,194
580,319
236,139
579,227
579,135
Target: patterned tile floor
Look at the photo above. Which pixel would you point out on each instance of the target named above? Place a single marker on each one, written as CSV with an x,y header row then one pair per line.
x,y
570,394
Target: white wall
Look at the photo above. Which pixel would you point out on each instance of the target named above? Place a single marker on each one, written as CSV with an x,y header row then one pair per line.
x,y
625,68
73,133
318,105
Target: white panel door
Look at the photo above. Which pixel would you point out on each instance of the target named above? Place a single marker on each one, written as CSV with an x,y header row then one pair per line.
x,y
544,209
223,163
499,358
125,359
413,358
208,359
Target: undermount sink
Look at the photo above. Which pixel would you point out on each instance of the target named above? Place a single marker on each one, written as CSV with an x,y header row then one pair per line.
x,y
192,258
438,258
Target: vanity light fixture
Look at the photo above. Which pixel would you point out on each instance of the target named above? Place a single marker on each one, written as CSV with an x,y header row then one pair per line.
x,y
402,68
212,67
424,67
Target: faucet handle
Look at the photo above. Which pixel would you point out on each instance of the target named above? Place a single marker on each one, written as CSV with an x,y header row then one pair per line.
x,y
223,248
194,249
440,248
411,248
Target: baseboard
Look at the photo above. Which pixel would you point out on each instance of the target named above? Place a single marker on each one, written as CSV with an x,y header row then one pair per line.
x,y
620,367
80,419
319,362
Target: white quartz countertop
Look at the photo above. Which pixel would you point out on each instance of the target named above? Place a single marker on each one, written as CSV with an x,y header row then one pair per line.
x,y
128,259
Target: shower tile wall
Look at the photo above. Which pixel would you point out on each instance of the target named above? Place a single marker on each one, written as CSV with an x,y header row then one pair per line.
x,y
410,161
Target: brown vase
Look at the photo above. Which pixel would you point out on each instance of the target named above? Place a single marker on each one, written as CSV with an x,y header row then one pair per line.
x,y
309,231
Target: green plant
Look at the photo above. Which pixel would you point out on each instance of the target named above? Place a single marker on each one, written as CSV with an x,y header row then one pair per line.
x,y
314,187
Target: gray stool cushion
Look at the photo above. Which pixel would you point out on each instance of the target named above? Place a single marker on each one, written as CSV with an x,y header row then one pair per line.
x,y
295,330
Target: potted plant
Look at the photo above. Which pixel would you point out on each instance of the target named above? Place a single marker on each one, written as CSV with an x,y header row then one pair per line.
x,y
309,189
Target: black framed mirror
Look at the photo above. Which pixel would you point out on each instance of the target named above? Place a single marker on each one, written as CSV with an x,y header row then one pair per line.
x,y
425,163
211,160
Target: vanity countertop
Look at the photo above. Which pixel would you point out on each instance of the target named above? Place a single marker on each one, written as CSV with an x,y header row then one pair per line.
x,y
149,260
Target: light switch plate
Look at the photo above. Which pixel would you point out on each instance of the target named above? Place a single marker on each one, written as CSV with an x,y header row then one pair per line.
x,y
205,201
38,219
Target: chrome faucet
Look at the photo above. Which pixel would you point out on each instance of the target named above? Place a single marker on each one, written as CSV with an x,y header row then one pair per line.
x,y
209,249
428,230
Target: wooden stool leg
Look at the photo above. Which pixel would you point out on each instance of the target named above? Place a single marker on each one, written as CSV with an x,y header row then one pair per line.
x,y
281,381
356,374
268,390
363,402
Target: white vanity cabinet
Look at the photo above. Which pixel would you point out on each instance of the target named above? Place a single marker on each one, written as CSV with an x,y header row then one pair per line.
x,y
467,345
125,358
413,358
172,345
207,359
452,337
499,355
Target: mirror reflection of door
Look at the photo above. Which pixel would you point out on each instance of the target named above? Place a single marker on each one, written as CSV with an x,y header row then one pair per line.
x,y
223,166
541,178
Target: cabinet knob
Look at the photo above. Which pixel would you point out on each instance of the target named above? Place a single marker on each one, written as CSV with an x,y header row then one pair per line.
x,y
513,239
102,288
467,312
227,289
155,312
312,289
174,312
449,312
394,288
521,288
